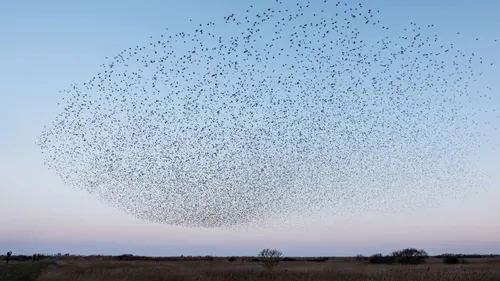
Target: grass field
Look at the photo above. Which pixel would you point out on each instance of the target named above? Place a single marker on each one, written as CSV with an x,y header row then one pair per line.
x,y
21,271
349,269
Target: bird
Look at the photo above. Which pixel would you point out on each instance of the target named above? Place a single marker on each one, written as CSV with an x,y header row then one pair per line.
x,y
297,110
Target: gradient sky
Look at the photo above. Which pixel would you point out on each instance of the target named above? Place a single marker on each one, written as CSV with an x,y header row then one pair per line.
x,y
47,45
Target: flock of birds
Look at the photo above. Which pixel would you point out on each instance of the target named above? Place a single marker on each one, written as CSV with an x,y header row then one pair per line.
x,y
304,109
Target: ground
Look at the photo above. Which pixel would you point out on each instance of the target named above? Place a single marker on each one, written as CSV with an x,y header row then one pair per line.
x,y
335,269
21,271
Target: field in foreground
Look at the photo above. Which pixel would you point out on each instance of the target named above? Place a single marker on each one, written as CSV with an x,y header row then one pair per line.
x,y
220,269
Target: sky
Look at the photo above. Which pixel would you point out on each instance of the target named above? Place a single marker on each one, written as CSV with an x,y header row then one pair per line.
x,y
46,46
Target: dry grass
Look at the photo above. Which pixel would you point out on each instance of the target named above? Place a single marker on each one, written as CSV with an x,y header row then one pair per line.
x,y
21,271
219,269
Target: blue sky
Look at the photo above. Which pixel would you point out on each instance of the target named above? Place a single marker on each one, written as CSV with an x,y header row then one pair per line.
x,y
46,46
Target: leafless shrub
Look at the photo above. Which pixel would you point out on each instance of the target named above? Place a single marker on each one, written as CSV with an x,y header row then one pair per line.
x,y
270,258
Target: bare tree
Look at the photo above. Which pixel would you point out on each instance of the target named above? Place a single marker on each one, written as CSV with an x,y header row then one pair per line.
x,y
270,258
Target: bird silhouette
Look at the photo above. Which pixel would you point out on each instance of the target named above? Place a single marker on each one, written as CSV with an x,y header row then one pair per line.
x,y
295,109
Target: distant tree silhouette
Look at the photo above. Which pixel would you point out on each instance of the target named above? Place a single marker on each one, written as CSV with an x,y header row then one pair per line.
x,y
270,258
410,256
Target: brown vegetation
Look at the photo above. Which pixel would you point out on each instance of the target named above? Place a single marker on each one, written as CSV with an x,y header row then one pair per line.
x,y
107,268
129,267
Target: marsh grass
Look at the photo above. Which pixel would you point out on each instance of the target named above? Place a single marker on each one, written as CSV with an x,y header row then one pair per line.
x,y
331,270
21,271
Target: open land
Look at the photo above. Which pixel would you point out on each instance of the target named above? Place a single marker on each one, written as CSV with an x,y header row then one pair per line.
x,y
93,268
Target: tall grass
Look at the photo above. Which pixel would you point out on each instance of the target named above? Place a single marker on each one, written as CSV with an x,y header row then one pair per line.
x,y
208,271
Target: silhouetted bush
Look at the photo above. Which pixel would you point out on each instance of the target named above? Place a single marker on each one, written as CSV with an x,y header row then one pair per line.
x,y
289,259
208,258
360,257
376,258
381,259
474,256
231,259
126,257
406,256
453,259
410,256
